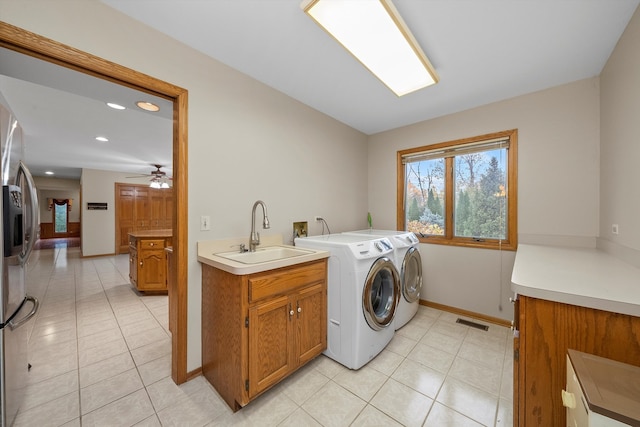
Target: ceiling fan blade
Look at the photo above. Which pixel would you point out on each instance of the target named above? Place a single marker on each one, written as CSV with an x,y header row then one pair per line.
x,y
138,176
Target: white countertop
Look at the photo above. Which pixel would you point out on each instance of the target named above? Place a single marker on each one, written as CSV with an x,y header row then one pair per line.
x,y
582,277
207,251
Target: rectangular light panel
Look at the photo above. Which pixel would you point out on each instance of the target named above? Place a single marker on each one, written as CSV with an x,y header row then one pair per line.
x,y
374,32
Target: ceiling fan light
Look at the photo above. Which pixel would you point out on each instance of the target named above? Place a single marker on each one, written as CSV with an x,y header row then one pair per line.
x,y
155,183
376,35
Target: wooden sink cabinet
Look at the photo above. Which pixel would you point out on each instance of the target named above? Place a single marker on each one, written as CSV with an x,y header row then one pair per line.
x,y
259,328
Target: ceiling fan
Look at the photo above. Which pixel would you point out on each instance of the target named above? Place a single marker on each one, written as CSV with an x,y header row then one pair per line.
x,y
159,178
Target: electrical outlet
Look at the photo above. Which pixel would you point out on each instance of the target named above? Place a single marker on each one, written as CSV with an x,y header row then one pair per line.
x,y
205,223
614,228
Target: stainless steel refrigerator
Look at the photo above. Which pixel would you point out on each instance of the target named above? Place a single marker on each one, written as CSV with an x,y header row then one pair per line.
x,y
19,212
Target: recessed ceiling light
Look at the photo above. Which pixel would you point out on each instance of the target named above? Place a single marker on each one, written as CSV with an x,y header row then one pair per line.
x,y
116,106
148,106
102,139
49,173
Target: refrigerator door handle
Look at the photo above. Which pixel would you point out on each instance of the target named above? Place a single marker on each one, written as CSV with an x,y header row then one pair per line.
x,y
30,236
17,323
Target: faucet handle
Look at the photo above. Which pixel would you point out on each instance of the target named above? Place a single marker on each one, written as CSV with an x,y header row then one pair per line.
x,y
242,246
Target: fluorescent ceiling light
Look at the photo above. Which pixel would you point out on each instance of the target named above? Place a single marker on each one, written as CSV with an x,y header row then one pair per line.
x,y
49,173
374,32
102,139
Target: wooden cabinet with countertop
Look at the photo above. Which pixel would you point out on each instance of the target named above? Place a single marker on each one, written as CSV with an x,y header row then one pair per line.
x,y
568,299
148,260
258,328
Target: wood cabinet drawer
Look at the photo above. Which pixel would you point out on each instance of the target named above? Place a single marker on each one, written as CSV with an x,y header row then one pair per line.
x,y
152,244
272,283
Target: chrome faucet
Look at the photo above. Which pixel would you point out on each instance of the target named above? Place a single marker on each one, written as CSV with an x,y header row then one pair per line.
x,y
254,238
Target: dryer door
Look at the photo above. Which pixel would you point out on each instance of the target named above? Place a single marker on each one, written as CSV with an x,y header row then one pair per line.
x,y
381,294
411,275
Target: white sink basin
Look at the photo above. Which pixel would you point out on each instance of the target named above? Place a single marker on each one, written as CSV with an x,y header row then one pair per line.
x,y
266,254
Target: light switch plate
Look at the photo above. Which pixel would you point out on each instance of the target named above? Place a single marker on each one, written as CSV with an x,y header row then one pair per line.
x,y
205,223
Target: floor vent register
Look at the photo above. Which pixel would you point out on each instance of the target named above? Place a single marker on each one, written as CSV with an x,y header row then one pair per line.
x,y
472,324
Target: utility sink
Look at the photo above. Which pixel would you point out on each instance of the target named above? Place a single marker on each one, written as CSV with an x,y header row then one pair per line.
x,y
266,254
271,254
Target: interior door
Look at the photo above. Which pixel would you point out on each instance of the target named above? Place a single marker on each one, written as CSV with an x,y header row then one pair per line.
x,y
125,216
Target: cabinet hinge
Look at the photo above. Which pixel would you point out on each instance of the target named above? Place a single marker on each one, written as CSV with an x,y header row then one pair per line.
x,y
516,355
246,385
246,322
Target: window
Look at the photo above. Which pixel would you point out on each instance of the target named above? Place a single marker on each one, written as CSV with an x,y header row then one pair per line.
x,y
60,210
461,192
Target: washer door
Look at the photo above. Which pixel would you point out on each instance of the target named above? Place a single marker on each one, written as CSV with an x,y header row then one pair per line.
x,y
411,275
381,294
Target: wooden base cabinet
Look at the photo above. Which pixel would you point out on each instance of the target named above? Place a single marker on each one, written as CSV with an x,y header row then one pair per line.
x,y
148,260
259,328
547,329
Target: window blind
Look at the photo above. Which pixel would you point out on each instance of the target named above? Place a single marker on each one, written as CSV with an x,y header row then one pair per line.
x,y
458,150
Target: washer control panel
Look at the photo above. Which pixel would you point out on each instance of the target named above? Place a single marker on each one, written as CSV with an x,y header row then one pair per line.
x,y
371,248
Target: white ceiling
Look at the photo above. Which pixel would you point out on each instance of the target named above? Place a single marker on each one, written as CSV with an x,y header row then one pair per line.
x,y
62,111
483,51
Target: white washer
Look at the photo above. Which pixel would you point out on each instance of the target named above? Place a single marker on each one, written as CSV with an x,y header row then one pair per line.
x,y
409,264
363,292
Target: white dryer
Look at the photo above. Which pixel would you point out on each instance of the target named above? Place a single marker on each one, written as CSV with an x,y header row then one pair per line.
x,y
363,292
409,264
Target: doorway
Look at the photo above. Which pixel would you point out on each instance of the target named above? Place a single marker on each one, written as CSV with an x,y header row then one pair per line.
x,y
25,42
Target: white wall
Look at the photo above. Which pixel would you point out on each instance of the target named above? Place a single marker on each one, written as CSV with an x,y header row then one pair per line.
x,y
558,136
246,141
98,226
620,148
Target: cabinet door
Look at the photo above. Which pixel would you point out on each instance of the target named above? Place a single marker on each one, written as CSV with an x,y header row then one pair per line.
x,y
156,208
168,208
152,270
270,337
142,211
311,322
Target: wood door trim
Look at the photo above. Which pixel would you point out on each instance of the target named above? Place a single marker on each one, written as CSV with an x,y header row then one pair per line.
x,y
31,44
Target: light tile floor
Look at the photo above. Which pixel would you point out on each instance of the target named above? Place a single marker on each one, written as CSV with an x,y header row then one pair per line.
x,y
101,357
